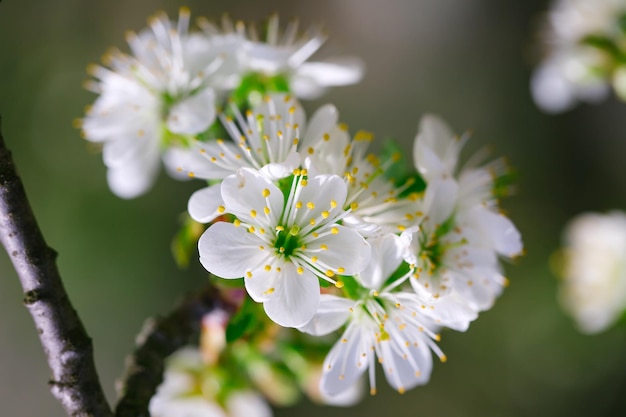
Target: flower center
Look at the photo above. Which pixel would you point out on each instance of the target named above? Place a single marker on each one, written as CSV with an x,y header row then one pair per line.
x,y
287,240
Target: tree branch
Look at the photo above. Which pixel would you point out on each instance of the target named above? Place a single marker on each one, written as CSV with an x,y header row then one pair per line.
x,y
67,346
159,338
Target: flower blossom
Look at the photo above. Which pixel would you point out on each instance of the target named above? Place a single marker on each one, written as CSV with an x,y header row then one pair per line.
x,y
456,247
397,327
285,53
281,244
581,37
151,100
188,391
273,137
593,289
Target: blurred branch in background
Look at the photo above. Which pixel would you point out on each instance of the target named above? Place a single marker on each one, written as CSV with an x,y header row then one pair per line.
x,y
159,338
67,345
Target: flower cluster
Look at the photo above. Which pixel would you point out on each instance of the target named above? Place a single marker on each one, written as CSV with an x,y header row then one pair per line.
x,y
593,289
322,233
304,206
153,101
585,53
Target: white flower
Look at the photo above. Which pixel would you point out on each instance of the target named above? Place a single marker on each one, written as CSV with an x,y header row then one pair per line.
x,y
273,138
572,71
281,244
155,98
395,326
373,200
456,250
185,393
594,287
285,53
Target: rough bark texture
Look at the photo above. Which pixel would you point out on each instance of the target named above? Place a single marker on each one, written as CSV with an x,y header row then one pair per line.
x,y
68,348
159,338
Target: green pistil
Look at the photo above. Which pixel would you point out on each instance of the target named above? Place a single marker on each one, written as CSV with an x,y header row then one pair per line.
x,y
287,241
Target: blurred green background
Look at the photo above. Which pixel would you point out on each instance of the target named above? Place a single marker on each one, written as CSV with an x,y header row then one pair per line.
x,y
467,60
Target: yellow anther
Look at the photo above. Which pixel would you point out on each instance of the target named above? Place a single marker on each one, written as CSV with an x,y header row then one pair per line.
x,y
237,223
333,204
312,222
310,205
266,210
261,247
221,209
354,205
266,192
268,268
253,213
191,175
339,284
341,270
279,228
299,204
443,358
325,214
323,246
269,291
311,151
304,183
300,270
326,137
334,230
330,273
249,274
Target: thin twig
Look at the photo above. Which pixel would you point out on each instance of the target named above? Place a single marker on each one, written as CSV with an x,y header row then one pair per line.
x,y
67,346
159,338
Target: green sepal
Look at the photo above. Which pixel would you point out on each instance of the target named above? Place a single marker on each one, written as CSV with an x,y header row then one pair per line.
x,y
605,44
254,86
400,170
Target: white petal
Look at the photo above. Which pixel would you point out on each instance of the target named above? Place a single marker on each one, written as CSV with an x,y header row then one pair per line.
x,y
296,298
439,200
322,121
278,170
244,191
193,114
334,72
229,251
346,249
247,404
347,361
402,372
386,257
550,90
261,284
321,191
134,177
203,204
504,236
332,313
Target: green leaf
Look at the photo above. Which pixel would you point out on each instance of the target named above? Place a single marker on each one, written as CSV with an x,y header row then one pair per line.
x,y
243,321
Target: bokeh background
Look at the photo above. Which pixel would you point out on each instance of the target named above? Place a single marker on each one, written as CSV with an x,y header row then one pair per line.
x,y
467,60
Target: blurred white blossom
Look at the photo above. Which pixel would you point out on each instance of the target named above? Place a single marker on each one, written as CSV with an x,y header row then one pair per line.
x,y
584,40
188,391
156,98
593,289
